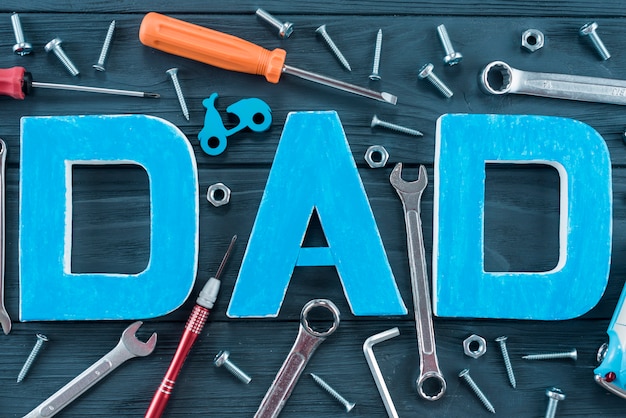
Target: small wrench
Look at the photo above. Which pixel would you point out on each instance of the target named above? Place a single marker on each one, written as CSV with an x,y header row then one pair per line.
x,y
411,195
128,347
500,78
4,315
306,342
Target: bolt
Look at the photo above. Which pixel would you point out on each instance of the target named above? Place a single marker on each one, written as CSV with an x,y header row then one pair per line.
x,y
55,46
573,354
554,395
284,28
222,359
173,73
589,29
21,47
347,404
31,357
379,44
105,48
507,360
464,374
426,72
394,127
322,31
452,57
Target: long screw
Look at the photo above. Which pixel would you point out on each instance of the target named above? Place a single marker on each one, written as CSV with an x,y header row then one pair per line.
x,y
464,374
426,72
589,29
573,354
55,46
284,28
507,360
105,48
21,47
221,359
554,395
375,76
173,73
31,357
452,57
347,404
394,127
322,31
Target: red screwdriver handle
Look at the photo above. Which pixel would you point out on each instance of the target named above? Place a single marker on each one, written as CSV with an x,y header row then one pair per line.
x,y
12,82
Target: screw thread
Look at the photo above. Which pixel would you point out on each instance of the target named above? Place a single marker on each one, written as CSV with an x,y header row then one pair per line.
x,y
237,372
445,39
377,50
179,94
333,47
550,356
17,28
599,45
479,393
347,404
440,85
507,363
105,47
551,409
269,18
31,357
394,127
65,60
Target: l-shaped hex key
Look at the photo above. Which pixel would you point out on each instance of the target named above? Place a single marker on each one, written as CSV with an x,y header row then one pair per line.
x,y
368,346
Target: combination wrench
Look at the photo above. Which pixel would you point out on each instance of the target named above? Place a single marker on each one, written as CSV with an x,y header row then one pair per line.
x,y
5,321
499,77
411,195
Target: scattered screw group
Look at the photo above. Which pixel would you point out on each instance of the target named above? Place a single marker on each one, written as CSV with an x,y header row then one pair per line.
x,y
554,395
426,72
573,354
173,73
284,28
589,29
507,360
347,404
399,128
55,46
322,31
21,47
105,48
221,359
464,374
32,356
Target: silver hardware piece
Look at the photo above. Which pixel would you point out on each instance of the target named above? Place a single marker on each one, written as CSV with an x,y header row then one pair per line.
x,y
5,320
21,47
601,354
426,72
105,48
470,342
555,395
375,76
573,354
32,356
55,46
532,40
368,350
173,73
333,47
464,374
589,29
346,403
507,360
307,341
411,194
218,194
499,77
398,128
222,359
284,28
128,347
376,156
452,57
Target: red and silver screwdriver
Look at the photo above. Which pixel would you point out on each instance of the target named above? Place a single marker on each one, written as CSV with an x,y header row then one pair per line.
x,y
17,83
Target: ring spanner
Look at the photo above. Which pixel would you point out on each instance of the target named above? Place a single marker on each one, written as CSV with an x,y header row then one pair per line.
x,y
4,316
306,342
411,194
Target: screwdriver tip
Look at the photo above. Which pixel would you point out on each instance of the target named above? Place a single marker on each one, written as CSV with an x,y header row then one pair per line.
x,y
389,98
152,95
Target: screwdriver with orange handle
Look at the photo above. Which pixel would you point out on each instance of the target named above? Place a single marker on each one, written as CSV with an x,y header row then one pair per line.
x,y
231,53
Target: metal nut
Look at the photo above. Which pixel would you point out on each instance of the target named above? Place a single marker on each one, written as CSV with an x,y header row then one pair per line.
x,y
532,40
376,156
470,341
218,194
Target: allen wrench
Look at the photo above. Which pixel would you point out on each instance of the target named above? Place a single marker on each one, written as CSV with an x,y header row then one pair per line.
x,y
368,350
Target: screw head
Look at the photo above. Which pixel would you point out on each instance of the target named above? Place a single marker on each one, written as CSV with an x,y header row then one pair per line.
x,y
374,77
53,44
42,337
220,358
321,29
286,30
426,70
463,372
350,406
99,67
23,48
375,121
172,71
453,58
588,28
501,339
555,393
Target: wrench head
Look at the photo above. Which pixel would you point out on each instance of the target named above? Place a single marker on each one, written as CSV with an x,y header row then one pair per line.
x,y
403,186
135,345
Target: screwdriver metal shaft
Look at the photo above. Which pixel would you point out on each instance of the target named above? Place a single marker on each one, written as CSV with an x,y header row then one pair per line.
x,y
94,89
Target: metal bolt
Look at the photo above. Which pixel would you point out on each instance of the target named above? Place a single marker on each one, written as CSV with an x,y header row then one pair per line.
x,y
322,31
507,360
464,374
589,29
379,44
394,127
554,395
173,73
426,72
222,359
21,47
284,28
31,357
105,48
347,404
55,46
452,57
573,354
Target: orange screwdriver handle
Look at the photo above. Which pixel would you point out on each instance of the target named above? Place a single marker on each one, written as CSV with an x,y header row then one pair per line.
x,y
12,82
210,47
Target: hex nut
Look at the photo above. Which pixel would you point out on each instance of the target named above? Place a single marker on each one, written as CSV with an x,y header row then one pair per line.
x,y
470,341
218,194
532,40
376,156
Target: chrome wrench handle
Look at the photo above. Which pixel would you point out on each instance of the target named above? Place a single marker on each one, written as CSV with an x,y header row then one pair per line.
x,y
499,77
5,320
306,342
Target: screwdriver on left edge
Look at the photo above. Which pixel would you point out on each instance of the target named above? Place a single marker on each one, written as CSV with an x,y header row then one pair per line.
x,y
16,82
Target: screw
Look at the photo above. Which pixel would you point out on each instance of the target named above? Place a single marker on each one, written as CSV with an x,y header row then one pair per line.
x,y
55,46
105,48
452,57
284,28
21,47
394,127
426,72
464,374
573,354
379,44
589,29
347,404
222,359
507,360
173,73
322,31
31,357
555,395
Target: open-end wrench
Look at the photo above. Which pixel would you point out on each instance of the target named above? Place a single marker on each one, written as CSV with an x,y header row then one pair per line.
x,y
128,347
5,321
306,342
411,194
500,78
